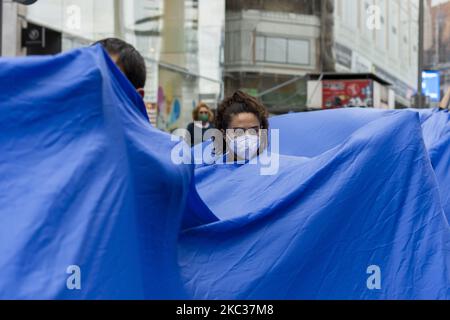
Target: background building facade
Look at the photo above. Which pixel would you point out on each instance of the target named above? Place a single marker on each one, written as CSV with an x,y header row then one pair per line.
x,y
380,37
181,40
437,49
272,45
201,50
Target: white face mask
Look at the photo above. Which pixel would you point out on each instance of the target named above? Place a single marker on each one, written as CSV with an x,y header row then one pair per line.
x,y
245,147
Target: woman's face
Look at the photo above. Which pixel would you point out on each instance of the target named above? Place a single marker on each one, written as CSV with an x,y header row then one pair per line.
x,y
203,114
243,126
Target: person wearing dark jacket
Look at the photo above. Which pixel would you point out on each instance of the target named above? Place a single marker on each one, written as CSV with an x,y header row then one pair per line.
x,y
203,120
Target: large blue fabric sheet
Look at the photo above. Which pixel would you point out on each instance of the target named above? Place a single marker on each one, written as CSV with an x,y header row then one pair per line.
x,y
436,132
368,197
86,181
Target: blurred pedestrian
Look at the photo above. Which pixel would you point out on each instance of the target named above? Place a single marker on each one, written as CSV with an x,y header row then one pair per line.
x,y
203,120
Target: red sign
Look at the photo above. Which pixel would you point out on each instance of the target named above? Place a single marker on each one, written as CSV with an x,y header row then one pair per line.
x,y
347,94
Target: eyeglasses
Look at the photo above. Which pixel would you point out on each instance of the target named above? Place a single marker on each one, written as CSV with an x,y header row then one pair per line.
x,y
239,132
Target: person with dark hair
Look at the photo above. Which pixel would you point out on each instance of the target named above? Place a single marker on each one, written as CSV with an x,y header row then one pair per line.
x,y
128,59
203,120
244,124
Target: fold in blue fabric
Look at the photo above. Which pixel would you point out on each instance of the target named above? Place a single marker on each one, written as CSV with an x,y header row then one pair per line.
x,y
86,181
436,133
367,197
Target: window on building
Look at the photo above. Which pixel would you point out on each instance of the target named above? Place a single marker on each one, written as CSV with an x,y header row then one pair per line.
x,y
393,29
350,13
233,39
260,45
381,32
282,50
276,50
298,52
367,20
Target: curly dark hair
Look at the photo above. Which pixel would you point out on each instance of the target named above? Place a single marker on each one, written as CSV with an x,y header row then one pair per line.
x,y
240,102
